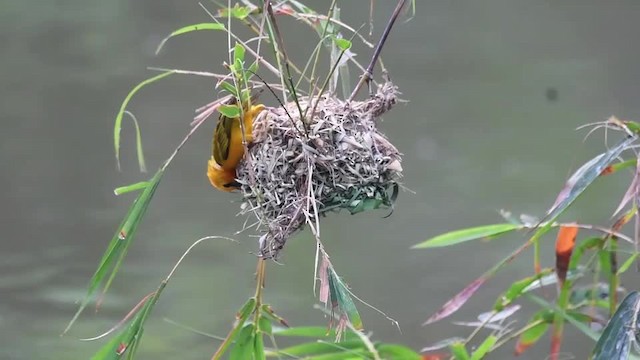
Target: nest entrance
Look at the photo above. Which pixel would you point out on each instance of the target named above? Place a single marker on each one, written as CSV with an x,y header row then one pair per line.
x,y
339,160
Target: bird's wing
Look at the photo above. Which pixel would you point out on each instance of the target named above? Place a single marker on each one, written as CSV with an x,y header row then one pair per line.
x,y
222,139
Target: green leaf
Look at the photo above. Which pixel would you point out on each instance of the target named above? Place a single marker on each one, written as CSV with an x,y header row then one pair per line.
x,y
459,352
305,331
236,12
238,53
264,325
190,28
627,264
228,88
247,309
484,348
552,279
342,44
340,296
119,244
129,188
317,348
253,68
230,111
357,354
391,351
633,126
258,347
118,123
567,315
128,340
590,294
268,312
460,236
579,251
241,317
237,68
621,165
244,344
615,341
536,328
584,176
516,289
139,152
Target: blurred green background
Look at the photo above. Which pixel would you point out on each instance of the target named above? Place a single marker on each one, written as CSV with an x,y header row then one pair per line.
x,y
482,131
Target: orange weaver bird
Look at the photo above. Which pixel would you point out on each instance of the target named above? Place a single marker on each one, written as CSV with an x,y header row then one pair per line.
x,y
228,149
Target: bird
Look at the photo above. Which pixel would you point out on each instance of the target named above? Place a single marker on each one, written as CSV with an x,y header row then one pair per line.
x,y
227,147
221,179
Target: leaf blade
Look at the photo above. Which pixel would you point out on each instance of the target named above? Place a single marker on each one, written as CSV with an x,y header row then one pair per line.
x,y
188,29
464,235
118,122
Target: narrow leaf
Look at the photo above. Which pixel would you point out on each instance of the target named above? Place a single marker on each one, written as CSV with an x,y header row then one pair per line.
x,y
340,297
119,244
238,53
615,341
126,343
484,348
118,123
230,111
320,347
236,12
442,344
618,166
268,311
569,316
391,351
141,163
342,44
552,279
244,344
632,192
585,175
516,289
627,264
565,243
459,352
188,29
228,88
128,230
258,347
305,331
246,309
264,325
459,236
456,302
129,188
536,328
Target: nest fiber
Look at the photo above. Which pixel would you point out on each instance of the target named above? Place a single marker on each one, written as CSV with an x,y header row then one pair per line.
x,y
339,160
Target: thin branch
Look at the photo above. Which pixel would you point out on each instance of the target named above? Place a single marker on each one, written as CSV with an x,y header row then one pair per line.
x,y
376,54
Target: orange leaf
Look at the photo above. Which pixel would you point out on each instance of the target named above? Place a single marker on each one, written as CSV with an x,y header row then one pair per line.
x,y
564,247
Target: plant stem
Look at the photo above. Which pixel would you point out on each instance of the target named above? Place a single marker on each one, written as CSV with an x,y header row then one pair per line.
x,y
376,53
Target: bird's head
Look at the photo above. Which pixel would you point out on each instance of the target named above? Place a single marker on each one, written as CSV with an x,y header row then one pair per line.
x,y
221,179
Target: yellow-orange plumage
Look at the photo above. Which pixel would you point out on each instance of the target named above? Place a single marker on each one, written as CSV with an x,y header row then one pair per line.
x,y
221,179
228,149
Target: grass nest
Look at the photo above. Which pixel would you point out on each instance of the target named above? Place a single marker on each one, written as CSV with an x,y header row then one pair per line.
x,y
294,174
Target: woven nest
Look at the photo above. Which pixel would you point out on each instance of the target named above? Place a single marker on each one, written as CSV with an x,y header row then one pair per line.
x,y
339,160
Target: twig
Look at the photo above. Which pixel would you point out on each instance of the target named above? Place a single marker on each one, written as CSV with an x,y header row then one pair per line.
x,y
285,58
376,54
